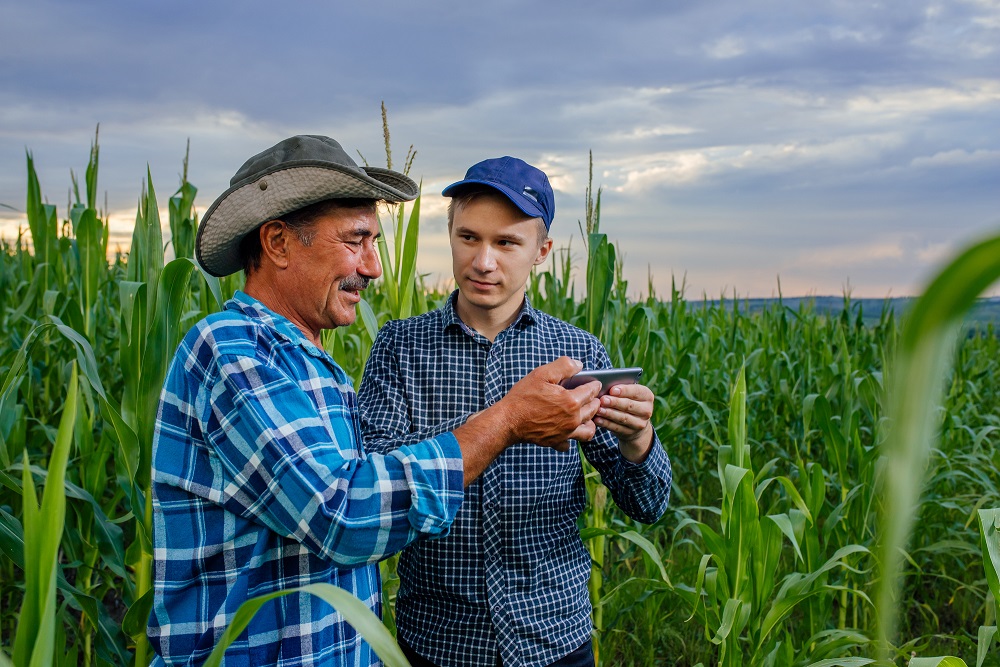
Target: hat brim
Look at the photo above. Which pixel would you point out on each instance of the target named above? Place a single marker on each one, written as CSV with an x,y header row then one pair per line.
x,y
288,187
527,206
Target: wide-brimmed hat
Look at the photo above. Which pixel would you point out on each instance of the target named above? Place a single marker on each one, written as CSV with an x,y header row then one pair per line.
x,y
525,186
290,175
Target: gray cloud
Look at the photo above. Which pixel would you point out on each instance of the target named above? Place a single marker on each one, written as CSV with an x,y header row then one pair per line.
x,y
734,142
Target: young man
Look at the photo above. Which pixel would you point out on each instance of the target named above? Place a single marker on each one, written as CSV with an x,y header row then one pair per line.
x,y
508,584
260,482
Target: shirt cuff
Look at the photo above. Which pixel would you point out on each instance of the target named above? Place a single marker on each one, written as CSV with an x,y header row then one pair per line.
x,y
656,464
435,474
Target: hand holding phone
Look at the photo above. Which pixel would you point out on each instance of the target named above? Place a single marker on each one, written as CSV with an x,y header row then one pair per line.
x,y
608,377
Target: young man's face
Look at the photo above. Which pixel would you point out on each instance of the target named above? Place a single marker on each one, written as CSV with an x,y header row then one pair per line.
x,y
493,248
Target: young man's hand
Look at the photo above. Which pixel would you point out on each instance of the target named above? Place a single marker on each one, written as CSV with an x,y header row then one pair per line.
x,y
626,411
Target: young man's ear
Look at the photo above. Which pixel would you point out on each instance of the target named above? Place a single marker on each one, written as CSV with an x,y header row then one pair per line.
x,y
543,252
274,243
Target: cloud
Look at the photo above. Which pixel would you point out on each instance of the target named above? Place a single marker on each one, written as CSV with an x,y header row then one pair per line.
x,y
747,135
958,157
851,254
891,103
729,46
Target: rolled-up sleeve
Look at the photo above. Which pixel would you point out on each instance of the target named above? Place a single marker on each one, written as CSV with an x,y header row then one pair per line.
x,y
299,471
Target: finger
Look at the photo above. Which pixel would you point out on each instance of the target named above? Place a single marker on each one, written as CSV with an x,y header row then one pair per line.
x,y
628,406
586,393
614,427
622,419
589,410
620,429
559,370
621,423
584,432
637,392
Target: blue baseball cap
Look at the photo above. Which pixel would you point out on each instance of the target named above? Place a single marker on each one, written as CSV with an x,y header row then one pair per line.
x,y
525,186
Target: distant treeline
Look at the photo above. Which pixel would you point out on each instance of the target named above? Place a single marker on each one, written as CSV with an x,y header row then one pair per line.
x,y
986,310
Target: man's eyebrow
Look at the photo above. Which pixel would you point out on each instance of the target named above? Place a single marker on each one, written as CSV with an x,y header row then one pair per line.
x,y
363,232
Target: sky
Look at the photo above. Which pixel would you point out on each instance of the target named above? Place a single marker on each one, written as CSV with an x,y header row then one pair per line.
x,y
828,145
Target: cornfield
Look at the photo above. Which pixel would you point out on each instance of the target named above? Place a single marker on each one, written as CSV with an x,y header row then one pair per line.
x,y
805,446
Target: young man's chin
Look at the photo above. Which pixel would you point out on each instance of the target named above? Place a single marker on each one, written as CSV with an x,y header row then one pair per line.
x,y
480,296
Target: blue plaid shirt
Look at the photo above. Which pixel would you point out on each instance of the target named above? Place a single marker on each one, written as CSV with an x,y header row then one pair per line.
x,y
260,484
512,574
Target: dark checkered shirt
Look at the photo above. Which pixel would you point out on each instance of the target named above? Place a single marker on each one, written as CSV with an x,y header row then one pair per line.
x,y
512,574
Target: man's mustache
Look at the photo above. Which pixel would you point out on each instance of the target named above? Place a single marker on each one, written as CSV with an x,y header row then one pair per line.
x,y
355,282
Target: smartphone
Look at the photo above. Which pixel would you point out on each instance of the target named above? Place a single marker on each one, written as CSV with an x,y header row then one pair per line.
x,y
608,377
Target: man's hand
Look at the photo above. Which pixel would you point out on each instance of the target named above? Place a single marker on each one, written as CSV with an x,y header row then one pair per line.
x,y
626,411
540,410
536,409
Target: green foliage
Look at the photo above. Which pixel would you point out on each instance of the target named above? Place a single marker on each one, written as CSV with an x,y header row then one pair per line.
x,y
777,421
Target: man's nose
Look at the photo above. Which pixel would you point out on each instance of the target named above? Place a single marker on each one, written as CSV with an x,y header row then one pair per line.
x,y
485,260
371,265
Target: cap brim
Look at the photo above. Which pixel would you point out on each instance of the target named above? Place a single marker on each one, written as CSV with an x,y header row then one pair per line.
x,y
527,205
250,203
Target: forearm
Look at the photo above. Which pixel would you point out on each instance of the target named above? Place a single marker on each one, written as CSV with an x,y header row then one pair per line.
x,y
482,438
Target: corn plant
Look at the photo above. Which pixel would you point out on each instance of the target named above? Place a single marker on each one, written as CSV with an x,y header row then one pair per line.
x,y
925,352
738,596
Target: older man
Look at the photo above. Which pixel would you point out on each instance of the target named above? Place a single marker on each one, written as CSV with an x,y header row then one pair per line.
x,y
509,583
260,480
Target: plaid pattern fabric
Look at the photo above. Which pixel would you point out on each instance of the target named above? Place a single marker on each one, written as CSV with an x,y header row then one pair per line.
x,y
260,484
512,574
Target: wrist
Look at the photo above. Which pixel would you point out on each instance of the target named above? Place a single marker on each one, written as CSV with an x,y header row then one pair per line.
x,y
500,420
637,447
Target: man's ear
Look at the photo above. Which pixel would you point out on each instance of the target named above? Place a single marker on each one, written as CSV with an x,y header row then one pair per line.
x,y
274,243
543,252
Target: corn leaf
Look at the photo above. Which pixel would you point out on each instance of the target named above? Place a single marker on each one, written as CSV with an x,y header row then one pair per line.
x,y
925,352
354,611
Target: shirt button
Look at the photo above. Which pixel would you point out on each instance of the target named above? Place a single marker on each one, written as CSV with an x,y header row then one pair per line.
x,y
496,607
491,505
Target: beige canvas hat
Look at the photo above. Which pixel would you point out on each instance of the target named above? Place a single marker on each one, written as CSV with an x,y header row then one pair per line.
x,y
293,173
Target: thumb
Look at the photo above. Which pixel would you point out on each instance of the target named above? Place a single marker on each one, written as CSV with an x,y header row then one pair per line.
x,y
559,370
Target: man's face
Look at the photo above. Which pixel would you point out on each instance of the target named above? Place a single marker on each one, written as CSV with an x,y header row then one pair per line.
x,y
493,248
326,276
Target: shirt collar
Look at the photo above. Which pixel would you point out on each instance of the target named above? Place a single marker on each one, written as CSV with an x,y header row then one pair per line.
x,y
254,309
449,316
